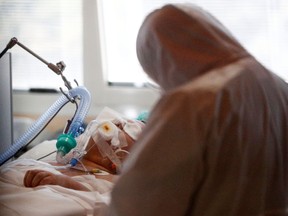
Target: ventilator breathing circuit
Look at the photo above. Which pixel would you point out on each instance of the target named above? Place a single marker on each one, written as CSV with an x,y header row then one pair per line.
x,y
66,141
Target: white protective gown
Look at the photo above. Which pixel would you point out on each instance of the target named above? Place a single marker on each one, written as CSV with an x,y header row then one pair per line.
x,y
216,143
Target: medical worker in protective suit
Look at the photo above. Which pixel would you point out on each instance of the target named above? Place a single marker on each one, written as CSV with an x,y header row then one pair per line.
x,y
216,143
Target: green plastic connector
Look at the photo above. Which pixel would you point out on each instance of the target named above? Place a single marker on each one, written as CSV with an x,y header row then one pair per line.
x,y
65,143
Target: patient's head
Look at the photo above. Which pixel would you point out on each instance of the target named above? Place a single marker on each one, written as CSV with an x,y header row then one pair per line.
x,y
111,140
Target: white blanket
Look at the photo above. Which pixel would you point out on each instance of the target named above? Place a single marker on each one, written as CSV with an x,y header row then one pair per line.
x,y
15,199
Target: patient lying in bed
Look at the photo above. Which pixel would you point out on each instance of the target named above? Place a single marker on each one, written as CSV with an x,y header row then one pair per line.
x,y
86,185
93,161
109,130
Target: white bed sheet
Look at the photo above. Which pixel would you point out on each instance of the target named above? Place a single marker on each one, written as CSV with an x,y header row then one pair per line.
x,y
15,199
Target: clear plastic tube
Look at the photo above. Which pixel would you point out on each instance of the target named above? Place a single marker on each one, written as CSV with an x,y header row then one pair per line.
x,y
37,126
84,138
60,158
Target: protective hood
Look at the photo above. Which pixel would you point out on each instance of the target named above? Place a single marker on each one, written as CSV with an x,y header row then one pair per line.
x,y
188,43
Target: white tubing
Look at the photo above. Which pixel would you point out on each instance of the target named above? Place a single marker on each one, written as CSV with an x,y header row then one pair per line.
x,y
37,126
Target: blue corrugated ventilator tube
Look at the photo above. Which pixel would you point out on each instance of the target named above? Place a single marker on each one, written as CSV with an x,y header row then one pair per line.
x,y
65,141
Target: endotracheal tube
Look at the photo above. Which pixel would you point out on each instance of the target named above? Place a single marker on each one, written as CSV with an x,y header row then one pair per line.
x,y
66,141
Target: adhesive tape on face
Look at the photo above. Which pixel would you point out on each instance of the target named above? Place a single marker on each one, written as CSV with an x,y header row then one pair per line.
x,y
108,114
133,128
107,130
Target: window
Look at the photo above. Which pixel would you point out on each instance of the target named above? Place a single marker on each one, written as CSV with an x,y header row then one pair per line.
x,y
50,28
260,25
96,40
53,29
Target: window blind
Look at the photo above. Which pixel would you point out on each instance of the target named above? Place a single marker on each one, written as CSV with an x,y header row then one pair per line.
x,y
260,25
50,28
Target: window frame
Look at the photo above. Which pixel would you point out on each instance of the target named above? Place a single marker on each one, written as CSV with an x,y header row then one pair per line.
x,y
126,99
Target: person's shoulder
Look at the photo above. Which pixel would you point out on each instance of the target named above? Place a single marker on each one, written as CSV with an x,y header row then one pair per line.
x,y
189,93
183,100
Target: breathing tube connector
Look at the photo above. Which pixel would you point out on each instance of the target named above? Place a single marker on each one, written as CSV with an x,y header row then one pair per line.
x,y
66,142
37,126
